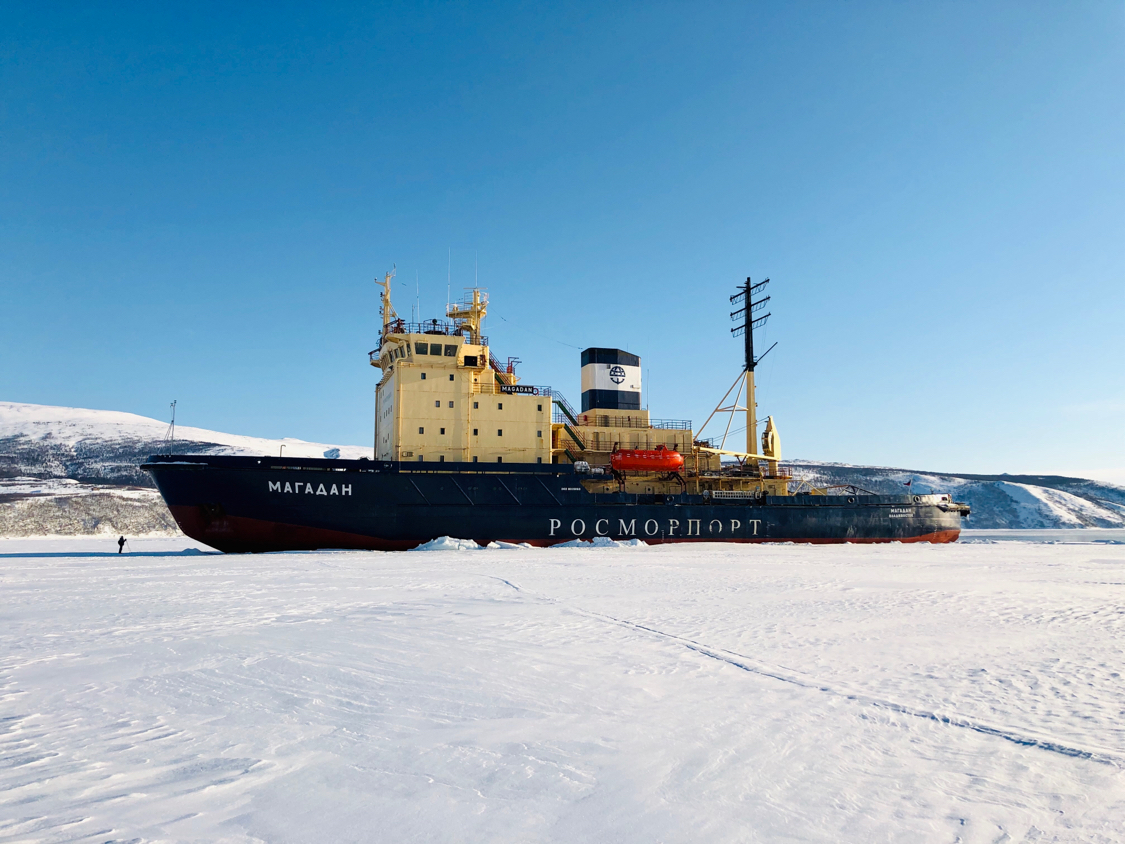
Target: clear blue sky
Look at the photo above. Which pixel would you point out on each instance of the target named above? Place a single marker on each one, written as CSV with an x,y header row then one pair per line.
x,y
194,200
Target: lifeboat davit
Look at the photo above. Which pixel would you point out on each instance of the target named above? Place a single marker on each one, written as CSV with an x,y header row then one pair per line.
x,y
659,459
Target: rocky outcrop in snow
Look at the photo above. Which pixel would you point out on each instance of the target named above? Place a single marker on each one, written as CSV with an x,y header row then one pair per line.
x,y
31,507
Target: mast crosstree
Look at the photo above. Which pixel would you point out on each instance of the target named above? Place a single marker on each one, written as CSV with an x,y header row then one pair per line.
x,y
749,308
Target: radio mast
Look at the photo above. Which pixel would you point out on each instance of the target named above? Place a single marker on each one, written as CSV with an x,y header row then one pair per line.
x,y
749,323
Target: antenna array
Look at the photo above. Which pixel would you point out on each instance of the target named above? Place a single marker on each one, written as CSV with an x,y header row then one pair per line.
x,y
750,306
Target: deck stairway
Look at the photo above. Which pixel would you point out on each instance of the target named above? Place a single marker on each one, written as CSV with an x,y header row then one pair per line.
x,y
570,418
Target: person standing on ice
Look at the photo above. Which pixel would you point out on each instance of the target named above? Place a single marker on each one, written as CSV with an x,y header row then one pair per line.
x,y
120,544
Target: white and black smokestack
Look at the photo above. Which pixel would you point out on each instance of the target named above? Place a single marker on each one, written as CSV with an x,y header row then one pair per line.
x,y
611,380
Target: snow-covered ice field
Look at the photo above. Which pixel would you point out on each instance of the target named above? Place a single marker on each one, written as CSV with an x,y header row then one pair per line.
x,y
914,693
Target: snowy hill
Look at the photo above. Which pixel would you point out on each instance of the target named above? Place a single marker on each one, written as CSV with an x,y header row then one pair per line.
x,y
997,501
72,471
107,446
69,471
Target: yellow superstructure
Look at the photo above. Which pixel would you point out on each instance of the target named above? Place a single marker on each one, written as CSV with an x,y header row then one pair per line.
x,y
443,397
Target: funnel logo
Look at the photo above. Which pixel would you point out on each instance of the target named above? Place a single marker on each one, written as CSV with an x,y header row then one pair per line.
x,y
617,375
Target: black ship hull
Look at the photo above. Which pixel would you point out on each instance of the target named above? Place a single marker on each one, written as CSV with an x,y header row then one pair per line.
x,y
250,504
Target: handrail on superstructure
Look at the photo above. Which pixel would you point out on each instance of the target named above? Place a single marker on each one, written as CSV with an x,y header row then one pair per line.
x,y
440,327
563,405
512,389
595,420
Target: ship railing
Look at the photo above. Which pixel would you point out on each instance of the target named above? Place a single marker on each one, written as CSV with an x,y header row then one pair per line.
x,y
595,421
572,438
592,420
607,446
782,473
568,413
511,390
439,327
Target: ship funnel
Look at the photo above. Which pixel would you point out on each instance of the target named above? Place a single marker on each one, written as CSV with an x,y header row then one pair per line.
x,y
611,380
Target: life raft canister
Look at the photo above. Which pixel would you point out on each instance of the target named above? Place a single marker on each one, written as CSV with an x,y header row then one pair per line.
x,y
659,459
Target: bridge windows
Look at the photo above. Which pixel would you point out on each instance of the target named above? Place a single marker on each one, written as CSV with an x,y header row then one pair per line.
x,y
421,348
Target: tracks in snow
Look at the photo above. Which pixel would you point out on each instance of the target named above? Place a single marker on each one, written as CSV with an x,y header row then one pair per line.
x,y
747,664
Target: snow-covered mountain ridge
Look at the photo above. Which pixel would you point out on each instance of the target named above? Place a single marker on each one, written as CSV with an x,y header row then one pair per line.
x,y
997,501
107,446
41,446
71,471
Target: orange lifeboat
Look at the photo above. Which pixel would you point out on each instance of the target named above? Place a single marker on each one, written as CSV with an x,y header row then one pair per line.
x,y
659,459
